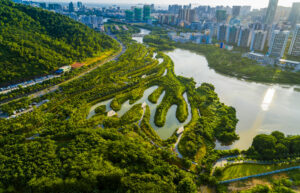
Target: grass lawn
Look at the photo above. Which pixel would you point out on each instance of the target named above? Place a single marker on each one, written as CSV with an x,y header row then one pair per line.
x,y
293,175
241,170
101,56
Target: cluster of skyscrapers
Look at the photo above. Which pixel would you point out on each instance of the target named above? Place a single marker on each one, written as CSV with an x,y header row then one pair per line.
x,y
259,39
274,31
258,30
138,14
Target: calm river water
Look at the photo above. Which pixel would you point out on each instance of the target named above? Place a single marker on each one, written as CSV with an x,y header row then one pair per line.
x,y
261,108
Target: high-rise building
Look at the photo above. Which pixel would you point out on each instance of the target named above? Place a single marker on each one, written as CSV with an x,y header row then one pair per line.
x,y
54,6
92,21
146,12
174,9
257,26
278,43
236,11
270,30
152,8
129,15
259,38
222,32
79,4
294,17
221,15
294,49
167,19
271,11
282,14
71,7
43,5
244,37
181,14
184,14
245,10
192,16
189,6
138,14
232,34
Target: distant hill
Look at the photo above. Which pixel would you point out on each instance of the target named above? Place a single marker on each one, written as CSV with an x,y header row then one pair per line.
x,y
34,42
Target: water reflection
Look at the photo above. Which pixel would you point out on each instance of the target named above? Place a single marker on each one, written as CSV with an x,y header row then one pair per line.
x,y
268,99
261,108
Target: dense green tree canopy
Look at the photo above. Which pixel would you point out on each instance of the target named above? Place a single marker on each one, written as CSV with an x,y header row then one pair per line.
x,y
34,42
273,146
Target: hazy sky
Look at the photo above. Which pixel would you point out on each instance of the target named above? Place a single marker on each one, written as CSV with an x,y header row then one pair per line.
x,y
253,3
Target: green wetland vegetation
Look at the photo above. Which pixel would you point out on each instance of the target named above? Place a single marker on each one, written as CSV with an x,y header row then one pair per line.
x,y
72,153
56,148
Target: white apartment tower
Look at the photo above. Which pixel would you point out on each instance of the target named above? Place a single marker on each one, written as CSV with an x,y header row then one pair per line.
x,y
278,43
258,40
294,49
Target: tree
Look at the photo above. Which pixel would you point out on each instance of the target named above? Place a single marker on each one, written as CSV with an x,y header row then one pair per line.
x,y
281,149
278,135
265,145
187,185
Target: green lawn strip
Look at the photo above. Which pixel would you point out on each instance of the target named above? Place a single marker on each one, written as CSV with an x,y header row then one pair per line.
x,y
242,170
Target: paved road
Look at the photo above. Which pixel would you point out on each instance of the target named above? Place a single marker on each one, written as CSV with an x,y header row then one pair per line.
x,y
55,87
30,83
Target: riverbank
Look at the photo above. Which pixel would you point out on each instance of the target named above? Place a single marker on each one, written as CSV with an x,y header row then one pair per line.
x,y
226,62
233,64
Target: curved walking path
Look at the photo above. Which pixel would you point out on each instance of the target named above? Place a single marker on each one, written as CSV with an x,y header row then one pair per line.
x,y
259,175
223,161
176,147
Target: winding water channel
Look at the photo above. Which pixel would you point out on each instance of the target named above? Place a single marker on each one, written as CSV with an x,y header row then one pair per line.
x,y
171,121
261,108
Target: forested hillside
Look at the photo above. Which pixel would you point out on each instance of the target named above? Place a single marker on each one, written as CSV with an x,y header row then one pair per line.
x,y
34,42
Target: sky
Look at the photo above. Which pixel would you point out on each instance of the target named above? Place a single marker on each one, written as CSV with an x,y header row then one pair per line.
x,y
253,3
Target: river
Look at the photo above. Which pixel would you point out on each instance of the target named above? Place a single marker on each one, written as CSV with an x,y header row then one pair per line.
x,y
261,108
142,32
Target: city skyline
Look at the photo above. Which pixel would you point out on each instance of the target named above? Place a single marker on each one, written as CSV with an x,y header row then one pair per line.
x,y
252,3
